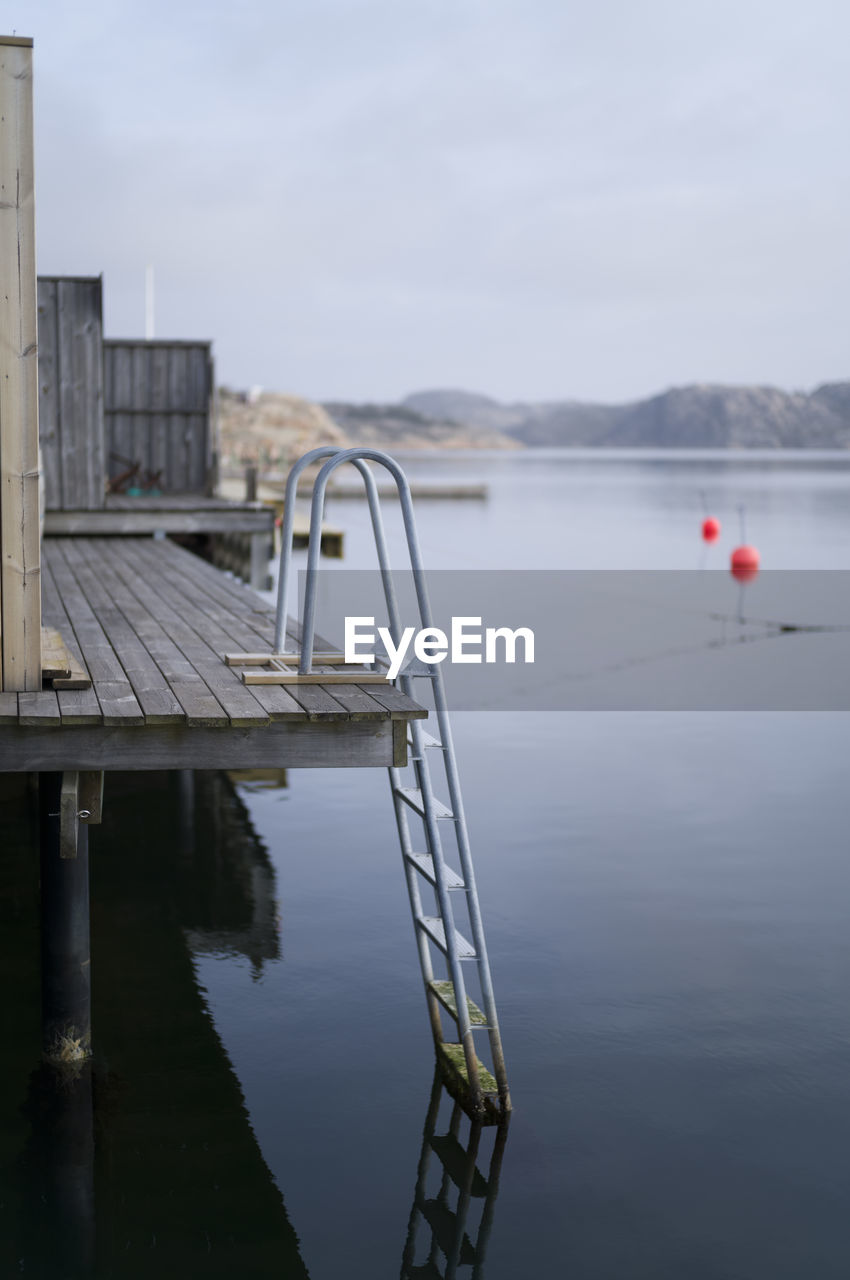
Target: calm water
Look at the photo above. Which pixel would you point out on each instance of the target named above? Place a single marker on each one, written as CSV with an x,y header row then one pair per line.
x,y
666,901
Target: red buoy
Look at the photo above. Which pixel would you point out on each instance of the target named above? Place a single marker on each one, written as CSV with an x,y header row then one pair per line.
x,y
744,564
710,529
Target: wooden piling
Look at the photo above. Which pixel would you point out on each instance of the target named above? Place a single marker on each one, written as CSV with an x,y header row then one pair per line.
x,y
20,587
65,946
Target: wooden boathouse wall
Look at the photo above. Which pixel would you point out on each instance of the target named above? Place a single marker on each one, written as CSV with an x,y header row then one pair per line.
x,y
20,551
106,405
158,410
70,390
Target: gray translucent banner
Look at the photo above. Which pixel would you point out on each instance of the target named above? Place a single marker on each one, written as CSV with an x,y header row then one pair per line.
x,y
623,640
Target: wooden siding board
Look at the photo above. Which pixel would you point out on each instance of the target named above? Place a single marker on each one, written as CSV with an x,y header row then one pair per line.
x,y
159,415
80,392
48,394
92,341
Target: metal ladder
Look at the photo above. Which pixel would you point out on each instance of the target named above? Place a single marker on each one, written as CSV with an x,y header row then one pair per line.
x,y
483,1093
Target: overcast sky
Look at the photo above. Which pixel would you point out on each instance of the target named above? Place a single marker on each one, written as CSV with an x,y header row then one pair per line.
x,y
528,198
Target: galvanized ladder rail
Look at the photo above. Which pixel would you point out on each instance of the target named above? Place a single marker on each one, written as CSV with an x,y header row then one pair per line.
x,y
431,865
451,1232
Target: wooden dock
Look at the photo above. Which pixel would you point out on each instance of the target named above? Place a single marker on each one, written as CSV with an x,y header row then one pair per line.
x,y
151,623
145,514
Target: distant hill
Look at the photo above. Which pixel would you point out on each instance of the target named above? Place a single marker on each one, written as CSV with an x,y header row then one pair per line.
x,y
272,428
405,426
701,416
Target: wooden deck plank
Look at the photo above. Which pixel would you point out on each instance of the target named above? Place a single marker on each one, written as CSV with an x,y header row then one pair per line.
x,y
391,699
114,691
8,707
315,702
39,708
76,706
397,703
399,706
228,591
147,560
180,622
199,704
220,625
359,704
155,696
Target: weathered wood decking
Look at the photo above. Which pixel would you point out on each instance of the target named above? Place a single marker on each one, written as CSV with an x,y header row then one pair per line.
x,y
167,513
150,623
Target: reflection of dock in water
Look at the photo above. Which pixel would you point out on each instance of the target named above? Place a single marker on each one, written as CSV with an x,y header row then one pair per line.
x,y
453,1203
178,1158
144,1161
170,1179
225,878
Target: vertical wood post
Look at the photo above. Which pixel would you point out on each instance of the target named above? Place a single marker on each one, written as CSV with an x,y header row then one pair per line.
x,y
20,583
65,946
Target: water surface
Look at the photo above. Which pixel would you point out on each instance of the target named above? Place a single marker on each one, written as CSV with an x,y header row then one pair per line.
x,y
665,897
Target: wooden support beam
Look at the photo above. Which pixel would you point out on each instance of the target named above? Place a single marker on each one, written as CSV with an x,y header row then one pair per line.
x,y
20,586
90,794
68,820
312,744
65,951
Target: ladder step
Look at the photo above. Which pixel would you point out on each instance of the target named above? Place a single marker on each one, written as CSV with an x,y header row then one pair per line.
x,y
413,797
424,863
435,929
444,1228
419,670
453,1057
427,740
445,993
455,1160
428,1271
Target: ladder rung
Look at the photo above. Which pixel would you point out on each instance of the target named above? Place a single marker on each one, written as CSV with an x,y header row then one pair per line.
x,y
445,993
418,670
436,931
427,740
453,1056
455,1160
424,863
428,1271
413,797
444,1229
